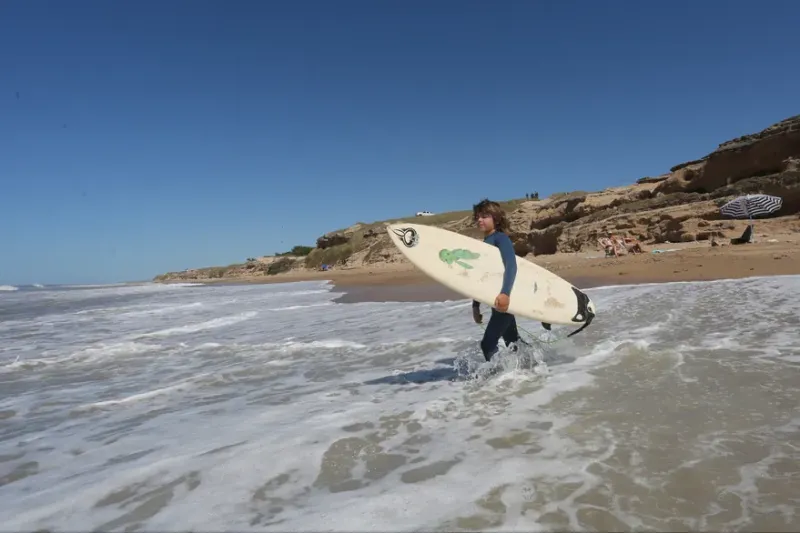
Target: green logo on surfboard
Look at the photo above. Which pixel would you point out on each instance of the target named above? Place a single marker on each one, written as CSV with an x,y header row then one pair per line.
x,y
458,256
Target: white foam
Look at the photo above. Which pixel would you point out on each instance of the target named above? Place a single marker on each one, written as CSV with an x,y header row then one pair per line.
x,y
8,288
204,326
164,310
324,344
115,349
789,278
90,354
295,307
134,397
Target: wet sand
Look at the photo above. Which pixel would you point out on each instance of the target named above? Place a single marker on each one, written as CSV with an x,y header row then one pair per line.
x,y
424,290
687,262
421,292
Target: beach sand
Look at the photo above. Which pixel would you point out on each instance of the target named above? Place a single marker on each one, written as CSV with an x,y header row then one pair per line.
x,y
772,255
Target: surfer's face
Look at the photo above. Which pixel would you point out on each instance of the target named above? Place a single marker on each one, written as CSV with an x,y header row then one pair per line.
x,y
485,222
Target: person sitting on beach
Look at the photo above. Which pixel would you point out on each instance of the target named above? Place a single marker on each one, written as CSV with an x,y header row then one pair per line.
x,y
619,244
612,245
607,246
633,245
616,246
491,219
746,237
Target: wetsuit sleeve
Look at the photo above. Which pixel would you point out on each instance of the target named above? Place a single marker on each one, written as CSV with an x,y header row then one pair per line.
x,y
509,261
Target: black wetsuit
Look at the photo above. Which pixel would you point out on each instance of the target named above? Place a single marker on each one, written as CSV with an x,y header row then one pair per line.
x,y
500,324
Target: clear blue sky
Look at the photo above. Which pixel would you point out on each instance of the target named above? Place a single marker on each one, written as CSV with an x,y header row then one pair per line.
x,y
141,137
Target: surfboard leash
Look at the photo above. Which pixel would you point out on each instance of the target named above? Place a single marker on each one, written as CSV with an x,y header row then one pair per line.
x,y
533,337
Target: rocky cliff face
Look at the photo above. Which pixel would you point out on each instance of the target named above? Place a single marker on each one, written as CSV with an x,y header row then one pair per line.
x,y
767,152
680,206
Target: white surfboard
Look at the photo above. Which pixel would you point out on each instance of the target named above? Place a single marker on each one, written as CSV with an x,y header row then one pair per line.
x,y
475,269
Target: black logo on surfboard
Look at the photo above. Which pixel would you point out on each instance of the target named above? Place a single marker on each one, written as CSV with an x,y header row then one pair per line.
x,y
409,236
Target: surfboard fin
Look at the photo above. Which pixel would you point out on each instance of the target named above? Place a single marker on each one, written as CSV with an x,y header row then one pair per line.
x,y
547,326
584,314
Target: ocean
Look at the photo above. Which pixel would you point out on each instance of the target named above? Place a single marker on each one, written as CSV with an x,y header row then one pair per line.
x,y
149,407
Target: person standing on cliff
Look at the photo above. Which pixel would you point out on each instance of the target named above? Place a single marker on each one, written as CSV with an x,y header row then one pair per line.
x,y
491,219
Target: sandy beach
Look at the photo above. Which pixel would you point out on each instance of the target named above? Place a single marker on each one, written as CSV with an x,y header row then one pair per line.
x,y
771,255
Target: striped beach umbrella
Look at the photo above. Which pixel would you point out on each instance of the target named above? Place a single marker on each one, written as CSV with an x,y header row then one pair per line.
x,y
752,205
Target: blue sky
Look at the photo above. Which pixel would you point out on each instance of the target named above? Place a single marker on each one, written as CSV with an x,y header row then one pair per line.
x,y
142,137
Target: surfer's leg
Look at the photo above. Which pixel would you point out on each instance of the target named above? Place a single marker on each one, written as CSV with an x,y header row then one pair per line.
x,y
491,335
511,334
496,328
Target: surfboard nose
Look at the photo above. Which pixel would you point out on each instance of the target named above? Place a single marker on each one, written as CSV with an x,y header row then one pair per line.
x,y
404,234
394,231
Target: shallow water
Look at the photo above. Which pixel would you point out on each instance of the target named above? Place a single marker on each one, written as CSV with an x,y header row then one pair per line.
x,y
269,407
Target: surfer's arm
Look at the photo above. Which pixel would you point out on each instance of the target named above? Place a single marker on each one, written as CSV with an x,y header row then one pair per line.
x,y
509,261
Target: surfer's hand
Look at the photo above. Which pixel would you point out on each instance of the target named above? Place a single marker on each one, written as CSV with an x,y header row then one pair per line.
x,y
501,302
476,315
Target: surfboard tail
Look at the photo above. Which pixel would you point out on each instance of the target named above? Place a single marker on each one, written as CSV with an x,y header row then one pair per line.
x,y
585,312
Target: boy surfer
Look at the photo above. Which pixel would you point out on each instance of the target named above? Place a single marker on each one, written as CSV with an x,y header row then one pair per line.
x,y
492,221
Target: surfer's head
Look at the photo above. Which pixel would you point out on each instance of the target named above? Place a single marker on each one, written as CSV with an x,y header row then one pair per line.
x,y
490,216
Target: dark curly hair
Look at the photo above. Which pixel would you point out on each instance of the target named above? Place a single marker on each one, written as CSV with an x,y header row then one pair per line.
x,y
497,213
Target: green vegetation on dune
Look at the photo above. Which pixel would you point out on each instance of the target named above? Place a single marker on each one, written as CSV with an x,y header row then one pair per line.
x,y
216,272
283,264
297,251
335,255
